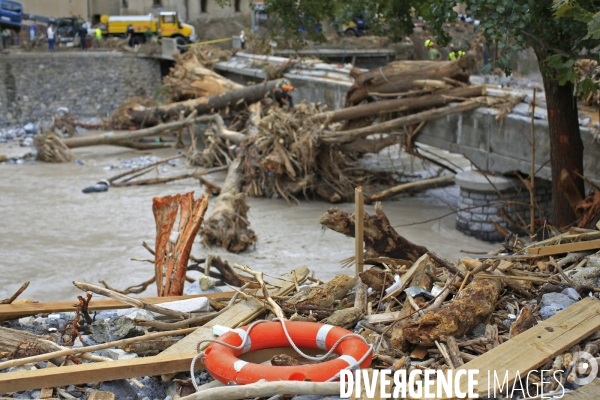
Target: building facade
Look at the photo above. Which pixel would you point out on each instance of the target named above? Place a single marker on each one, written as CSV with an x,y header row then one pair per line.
x,y
212,21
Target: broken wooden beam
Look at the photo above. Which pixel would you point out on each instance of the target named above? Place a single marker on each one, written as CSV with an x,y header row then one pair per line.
x,y
536,346
565,248
12,311
119,369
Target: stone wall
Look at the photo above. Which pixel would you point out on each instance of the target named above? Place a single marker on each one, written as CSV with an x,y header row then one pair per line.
x,y
481,205
34,85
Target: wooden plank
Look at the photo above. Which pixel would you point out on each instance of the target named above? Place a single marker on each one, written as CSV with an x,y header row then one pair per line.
x,y
359,224
120,369
242,312
97,304
46,393
591,391
100,395
536,346
565,248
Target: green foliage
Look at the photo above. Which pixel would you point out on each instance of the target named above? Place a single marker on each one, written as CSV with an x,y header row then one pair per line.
x,y
581,13
559,29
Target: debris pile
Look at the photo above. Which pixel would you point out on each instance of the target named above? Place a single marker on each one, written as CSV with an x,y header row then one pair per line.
x,y
412,310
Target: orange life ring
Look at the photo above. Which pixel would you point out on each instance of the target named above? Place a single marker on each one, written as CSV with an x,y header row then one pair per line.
x,y
223,364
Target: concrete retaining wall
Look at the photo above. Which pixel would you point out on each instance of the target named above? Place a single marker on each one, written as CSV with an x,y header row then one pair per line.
x,y
34,85
501,146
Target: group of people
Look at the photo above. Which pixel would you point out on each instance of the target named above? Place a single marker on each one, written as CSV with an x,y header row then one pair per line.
x,y
433,53
82,32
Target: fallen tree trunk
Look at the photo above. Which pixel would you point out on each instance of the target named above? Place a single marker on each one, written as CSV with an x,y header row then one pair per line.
x,y
400,76
398,105
228,226
381,240
154,181
473,305
118,137
353,134
151,116
418,185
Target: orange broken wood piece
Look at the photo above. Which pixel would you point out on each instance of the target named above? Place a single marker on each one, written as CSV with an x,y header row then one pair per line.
x,y
173,248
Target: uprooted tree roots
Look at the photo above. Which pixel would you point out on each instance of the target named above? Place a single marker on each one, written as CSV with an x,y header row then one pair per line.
x,y
287,159
228,225
51,148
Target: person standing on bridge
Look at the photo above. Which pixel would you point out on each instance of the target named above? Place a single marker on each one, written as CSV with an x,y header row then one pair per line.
x,y
50,33
433,54
83,37
130,32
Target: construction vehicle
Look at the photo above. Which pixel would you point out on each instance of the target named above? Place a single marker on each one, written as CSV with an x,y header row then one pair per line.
x,y
11,15
167,24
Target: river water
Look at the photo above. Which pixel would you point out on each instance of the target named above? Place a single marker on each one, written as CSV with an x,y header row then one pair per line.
x,y
52,234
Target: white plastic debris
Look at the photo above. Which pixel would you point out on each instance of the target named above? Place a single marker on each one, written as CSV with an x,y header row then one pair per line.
x,y
395,286
198,304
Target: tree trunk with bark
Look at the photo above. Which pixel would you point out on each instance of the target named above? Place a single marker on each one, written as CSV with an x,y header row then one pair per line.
x,y
348,136
405,104
566,146
228,225
381,239
399,76
150,116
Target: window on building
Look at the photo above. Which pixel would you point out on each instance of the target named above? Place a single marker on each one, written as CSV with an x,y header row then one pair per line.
x,y
237,5
204,6
157,3
124,4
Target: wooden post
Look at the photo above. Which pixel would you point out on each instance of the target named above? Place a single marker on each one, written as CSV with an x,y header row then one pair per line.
x,y
532,174
358,229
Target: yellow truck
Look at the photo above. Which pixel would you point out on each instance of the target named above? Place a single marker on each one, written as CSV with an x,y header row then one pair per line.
x,y
167,24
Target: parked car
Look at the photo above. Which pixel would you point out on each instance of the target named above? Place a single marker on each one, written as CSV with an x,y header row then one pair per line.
x,y
357,26
11,15
67,28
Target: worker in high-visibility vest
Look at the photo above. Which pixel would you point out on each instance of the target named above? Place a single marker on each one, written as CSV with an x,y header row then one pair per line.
x,y
433,54
456,54
97,37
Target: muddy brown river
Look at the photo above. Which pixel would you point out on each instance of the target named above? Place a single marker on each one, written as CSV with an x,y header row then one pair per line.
x,y
52,234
